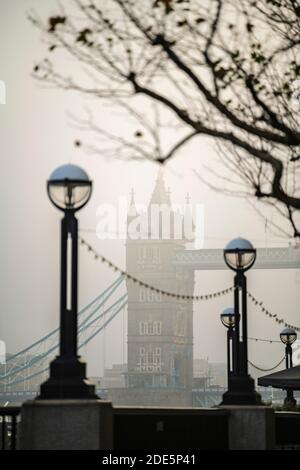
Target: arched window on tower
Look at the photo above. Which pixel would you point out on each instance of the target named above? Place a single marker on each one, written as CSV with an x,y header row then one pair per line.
x,y
149,255
142,294
148,295
150,328
149,360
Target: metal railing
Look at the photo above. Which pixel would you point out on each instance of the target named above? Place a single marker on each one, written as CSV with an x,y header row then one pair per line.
x,y
9,423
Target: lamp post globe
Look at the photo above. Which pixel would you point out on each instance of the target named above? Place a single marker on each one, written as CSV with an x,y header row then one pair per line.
x,y
288,336
228,317
69,189
239,254
228,320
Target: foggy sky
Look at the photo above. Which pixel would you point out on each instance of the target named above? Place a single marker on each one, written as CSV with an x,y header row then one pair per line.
x,y
35,137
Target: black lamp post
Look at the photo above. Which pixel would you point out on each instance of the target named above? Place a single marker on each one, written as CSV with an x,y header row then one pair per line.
x,y
240,255
228,320
69,189
288,336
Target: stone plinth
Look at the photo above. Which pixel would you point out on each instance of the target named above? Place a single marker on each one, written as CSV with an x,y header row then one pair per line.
x,y
66,425
251,427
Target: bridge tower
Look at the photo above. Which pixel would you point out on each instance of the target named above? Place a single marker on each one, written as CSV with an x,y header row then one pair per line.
x,y
160,328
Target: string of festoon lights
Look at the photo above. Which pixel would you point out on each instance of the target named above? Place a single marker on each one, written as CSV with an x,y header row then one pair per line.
x,y
265,340
269,314
261,369
213,295
103,259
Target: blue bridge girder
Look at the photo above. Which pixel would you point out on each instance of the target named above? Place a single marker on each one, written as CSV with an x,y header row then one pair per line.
x,y
212,259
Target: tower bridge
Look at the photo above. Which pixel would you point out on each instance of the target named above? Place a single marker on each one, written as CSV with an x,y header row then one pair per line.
x,y
159,372
156,366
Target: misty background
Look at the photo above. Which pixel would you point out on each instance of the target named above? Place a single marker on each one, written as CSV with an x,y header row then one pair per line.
x,y
36,135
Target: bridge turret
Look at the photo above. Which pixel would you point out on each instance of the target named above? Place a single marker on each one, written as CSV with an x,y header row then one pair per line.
x,y
160,328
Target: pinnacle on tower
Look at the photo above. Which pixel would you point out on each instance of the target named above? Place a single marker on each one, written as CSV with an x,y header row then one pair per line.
x,y
132,210
188,221
160,194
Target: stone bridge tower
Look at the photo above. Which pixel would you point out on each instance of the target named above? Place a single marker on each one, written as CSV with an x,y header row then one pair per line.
x,y
160,328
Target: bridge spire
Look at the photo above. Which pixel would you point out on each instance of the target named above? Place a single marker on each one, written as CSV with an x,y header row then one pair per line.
x,y
160,195
132,210
188,198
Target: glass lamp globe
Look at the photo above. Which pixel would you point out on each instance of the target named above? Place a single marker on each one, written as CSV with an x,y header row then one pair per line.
x,y
288,336
239,254
228,317
69,187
